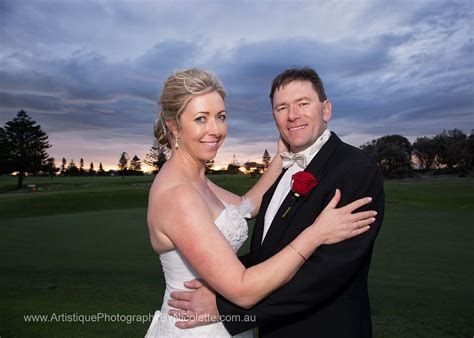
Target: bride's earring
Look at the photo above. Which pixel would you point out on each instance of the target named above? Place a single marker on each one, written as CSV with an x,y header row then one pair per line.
x,y
176,144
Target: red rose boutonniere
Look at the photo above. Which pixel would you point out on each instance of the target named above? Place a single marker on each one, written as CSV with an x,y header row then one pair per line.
x,y
302,183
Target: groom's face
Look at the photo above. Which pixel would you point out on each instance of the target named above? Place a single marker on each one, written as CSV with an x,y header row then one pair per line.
x,y
299,114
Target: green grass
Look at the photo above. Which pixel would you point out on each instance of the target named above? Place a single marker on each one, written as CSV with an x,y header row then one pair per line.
x,y
64,195
80,245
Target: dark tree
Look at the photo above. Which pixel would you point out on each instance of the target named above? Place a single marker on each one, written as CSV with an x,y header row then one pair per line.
x,y
209,165
63,166
136,166
254,168
249,165
91,169
51,167
452,148
81,167
123,163
470,151
233,168
101,171
72,169
425,150
4,164
266,158
156,157
392,154
24,144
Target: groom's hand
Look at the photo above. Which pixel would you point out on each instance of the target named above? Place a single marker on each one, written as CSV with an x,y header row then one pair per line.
x,y
196,308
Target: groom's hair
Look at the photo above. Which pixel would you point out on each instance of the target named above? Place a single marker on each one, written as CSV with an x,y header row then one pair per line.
x,y
299,74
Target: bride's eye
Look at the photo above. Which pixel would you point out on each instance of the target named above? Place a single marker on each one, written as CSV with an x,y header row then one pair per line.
x,y
222,117
200,119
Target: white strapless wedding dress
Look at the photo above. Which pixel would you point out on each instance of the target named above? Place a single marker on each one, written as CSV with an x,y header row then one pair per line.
x,y
177,270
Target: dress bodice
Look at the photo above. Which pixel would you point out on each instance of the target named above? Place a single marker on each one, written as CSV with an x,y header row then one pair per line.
x,y
177,270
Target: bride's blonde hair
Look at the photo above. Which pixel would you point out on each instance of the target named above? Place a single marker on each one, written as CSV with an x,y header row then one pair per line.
x,y
178,90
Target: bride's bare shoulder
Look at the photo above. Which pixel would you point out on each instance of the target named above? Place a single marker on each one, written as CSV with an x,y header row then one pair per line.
x,y
173,196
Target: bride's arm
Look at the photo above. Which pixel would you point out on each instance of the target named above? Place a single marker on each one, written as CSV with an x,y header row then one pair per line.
x,y
186,220
254,195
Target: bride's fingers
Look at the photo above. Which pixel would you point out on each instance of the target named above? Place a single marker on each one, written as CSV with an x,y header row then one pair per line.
x,y
359,231
356,204
362,215
333,202
363,223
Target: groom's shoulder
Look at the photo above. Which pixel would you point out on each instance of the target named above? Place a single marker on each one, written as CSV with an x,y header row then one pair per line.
x,y
354,155
353,162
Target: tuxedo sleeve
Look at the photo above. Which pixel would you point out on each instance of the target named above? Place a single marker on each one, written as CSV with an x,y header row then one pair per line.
x,y
245,260
327,271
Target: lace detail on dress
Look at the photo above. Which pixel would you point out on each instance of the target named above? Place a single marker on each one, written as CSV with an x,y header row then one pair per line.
x,y
233,226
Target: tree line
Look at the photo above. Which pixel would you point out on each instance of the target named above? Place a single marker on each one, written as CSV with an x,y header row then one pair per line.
x,y
71,168
125,166
449,152
23,150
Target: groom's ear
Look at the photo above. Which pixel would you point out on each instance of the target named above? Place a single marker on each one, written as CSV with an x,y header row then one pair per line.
x,y
273,113
327,110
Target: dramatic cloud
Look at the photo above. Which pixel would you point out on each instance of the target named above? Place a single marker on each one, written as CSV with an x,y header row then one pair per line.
x,y
90,72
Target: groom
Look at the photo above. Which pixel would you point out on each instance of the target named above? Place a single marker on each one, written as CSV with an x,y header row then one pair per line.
x,y
328,296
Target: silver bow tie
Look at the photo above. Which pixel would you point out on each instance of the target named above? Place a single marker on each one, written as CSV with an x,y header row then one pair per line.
x,y
290,158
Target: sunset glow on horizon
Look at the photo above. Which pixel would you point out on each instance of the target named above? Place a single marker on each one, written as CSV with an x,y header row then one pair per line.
x,y
90,72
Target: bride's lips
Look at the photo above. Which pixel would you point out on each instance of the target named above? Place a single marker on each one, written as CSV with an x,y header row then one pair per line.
x,y
210,144
297,127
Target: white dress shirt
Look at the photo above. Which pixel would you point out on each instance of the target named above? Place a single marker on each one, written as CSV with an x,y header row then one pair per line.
x,y
284,186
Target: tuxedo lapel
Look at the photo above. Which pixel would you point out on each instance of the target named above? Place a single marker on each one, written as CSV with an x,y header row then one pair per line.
x,y
280,224
319,165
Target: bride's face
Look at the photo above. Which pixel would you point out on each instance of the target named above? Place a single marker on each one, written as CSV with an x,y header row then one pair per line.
x,y
203,126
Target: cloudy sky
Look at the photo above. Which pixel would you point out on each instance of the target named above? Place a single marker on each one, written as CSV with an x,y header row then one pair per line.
x,y
90,71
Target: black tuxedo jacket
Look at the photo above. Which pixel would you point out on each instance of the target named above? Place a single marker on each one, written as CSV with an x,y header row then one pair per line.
x,y
328,296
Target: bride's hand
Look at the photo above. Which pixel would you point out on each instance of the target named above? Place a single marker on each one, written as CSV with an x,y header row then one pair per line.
x,y
282,145
335,225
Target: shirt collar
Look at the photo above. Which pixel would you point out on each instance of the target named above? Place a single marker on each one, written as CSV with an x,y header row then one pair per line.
x,y
311,151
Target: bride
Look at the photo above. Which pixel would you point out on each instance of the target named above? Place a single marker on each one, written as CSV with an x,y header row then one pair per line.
x,y
197,227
